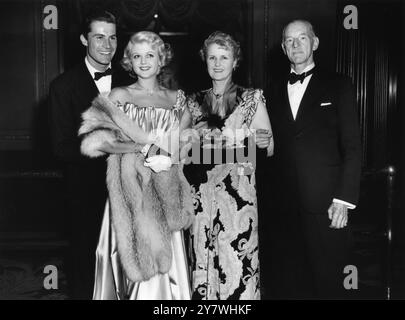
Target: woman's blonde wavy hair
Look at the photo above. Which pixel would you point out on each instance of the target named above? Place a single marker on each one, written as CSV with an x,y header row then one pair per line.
x,y
164,50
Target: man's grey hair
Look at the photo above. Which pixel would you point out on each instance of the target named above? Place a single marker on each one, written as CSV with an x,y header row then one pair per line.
x,y
309,25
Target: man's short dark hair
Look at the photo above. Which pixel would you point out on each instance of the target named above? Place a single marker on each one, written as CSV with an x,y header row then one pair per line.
x,y
96,15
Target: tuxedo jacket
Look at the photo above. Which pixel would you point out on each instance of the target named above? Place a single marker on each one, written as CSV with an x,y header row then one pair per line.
x,y
317,156
70,95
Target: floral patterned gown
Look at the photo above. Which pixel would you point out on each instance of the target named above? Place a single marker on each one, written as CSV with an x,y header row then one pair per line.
x,y
224,235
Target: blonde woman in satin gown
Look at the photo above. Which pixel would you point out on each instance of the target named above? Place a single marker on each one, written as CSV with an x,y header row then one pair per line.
x,y
156,110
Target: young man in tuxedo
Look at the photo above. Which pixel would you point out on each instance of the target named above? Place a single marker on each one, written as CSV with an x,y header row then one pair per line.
x,y
315,176
70,95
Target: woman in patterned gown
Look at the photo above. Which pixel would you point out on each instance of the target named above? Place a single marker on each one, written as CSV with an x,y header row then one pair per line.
x,y
141,253
224,234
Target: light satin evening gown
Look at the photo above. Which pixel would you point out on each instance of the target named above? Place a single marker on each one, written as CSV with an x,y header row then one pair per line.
x,y
110,280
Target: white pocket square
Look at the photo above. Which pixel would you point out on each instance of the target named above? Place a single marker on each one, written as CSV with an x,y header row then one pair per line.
x,y
324,104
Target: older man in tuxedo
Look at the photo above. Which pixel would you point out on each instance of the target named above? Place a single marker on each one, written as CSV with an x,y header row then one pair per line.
x,y
69,96
316,175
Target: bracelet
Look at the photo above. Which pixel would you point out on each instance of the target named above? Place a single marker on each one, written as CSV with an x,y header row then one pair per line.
x,y
145,149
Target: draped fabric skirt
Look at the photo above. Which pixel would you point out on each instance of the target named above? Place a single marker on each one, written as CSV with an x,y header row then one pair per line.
x,y
112,284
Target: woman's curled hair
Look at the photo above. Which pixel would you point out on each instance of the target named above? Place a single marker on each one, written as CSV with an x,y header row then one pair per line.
x,y
164,50
224,40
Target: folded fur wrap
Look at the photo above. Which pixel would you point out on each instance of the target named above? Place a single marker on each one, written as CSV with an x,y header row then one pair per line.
x,y
145,206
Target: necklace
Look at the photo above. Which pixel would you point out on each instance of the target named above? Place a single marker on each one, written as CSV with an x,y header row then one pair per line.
x,y
149,92
216,95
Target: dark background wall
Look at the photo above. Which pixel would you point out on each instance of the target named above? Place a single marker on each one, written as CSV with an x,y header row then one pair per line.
x,y
27,62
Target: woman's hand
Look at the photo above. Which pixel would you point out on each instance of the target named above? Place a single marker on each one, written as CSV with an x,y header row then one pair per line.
x,y
263,138
189,136
201,125
158,163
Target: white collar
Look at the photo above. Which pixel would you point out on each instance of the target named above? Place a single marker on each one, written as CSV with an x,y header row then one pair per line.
x,y
91,69
308,67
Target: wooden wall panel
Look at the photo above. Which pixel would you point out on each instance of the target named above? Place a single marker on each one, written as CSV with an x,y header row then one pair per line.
x,y
18,62
29,59
353,60
371,58
258,42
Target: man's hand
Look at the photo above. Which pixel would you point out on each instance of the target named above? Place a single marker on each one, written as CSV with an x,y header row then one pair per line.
x,y
263,137
337,212
158,163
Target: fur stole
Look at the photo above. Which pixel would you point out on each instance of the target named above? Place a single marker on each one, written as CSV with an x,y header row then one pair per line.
x,y
145,206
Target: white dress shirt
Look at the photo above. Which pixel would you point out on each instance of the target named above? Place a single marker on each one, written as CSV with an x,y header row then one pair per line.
x,y
104,83
295,93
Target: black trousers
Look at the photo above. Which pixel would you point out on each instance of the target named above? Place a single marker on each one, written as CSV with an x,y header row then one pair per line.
x,y
86,198
301,257
327,251
284,267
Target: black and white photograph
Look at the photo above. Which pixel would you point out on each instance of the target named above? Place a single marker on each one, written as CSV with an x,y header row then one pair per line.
x,y
196,150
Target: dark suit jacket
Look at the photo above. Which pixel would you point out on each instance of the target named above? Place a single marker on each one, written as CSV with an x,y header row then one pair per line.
x,y
69,96
317,156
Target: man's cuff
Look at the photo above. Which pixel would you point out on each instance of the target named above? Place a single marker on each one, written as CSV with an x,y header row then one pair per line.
x,y
348,204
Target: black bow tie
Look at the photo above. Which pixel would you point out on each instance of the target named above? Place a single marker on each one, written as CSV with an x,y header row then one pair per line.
x,y
99,75
293,77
